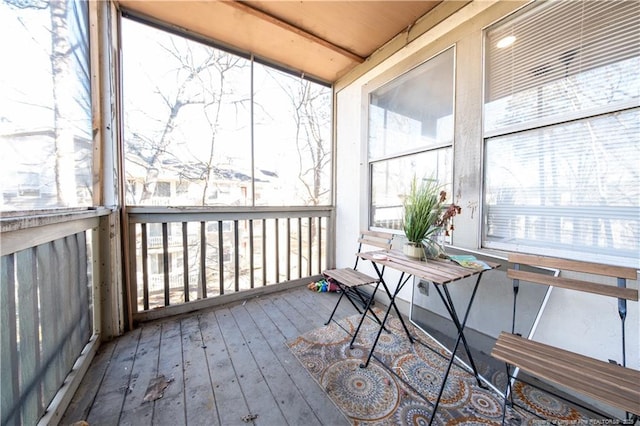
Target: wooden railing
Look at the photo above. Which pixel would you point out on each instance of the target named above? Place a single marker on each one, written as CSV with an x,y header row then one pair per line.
x,y
221,251
46,305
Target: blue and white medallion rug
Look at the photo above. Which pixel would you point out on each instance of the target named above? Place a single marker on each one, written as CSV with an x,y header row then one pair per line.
x,y
395,393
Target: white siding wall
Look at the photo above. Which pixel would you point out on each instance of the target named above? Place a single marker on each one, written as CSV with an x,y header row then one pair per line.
x,y
582,323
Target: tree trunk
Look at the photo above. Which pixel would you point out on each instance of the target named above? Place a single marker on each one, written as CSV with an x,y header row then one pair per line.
x,y
63,133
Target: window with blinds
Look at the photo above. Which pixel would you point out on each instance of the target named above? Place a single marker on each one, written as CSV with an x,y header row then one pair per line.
x,y
562,131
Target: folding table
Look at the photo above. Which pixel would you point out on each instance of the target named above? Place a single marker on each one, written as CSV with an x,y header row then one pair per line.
x,y
441,273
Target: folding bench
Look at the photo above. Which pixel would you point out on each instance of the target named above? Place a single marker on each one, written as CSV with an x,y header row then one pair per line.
x,y
606,381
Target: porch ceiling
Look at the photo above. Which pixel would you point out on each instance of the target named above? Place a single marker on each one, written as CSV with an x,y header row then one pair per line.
x,y
324,39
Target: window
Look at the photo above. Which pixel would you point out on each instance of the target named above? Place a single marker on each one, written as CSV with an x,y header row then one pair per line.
x,y
163,189
182,187
230,131
410,134
45,106
561,123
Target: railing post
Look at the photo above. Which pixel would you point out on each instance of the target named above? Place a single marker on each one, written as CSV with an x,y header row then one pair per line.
x,y
264,252
165,262
299,247
145,267
288,248
277,248
236,256
251,265
220,257
185,261
202,287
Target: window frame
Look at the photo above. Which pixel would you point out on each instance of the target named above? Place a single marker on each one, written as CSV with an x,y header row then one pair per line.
x,y
429,148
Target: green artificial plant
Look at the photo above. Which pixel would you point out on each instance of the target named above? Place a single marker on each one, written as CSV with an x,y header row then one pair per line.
x,y
426,214
422,208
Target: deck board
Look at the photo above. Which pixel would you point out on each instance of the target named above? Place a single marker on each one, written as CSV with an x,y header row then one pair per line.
x,y
230,400
107,406
294,407
223,364
284,325
261,401
145,365
85,394
170,409
200,400
315,396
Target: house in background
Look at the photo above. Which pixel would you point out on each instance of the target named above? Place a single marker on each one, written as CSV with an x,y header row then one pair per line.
x,y
32,185
175,186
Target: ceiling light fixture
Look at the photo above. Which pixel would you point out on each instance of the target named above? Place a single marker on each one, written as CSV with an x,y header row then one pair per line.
x,y
506,42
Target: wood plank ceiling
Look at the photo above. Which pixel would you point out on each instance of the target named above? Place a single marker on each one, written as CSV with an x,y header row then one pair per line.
x,y
323,39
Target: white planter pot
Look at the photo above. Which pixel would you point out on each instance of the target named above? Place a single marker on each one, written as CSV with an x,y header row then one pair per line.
x,y
413,250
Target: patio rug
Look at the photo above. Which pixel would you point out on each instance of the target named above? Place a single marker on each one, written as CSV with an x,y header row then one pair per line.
x,y
376,396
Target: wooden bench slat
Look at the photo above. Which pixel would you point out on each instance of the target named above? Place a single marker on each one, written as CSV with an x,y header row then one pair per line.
x,y
602,390
376,239
560,372
377,234
571,284
375,243
350,277
612,384
577,361
574,265
555,358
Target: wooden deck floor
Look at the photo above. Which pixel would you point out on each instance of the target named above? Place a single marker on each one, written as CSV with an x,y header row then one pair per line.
x,y
225,365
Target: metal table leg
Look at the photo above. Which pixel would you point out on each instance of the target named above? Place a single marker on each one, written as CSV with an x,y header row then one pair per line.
x,y
401,282
446,299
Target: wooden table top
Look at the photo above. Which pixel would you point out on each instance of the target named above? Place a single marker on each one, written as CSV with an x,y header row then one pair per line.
x,y
440,271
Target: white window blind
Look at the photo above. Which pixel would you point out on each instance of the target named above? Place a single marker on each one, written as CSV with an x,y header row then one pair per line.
x,y
569,57
562,131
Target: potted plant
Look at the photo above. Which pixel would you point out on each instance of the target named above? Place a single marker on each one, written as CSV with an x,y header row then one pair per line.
x,y
425,215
